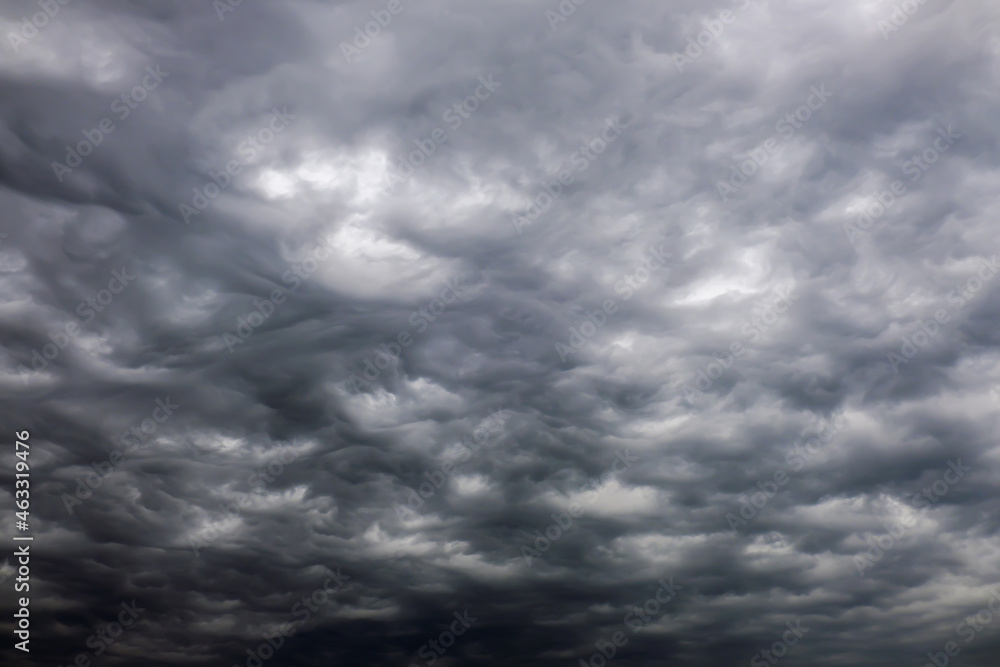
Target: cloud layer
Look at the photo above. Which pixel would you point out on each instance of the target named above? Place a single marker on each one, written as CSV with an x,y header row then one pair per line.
x,y
504,333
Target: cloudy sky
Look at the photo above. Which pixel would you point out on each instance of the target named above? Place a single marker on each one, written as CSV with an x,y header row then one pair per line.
x,y
503,332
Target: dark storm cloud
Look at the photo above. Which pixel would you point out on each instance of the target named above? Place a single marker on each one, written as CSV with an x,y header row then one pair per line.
x,y
338,239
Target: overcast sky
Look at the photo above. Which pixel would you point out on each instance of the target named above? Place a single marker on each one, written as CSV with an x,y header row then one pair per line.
x,y
501,321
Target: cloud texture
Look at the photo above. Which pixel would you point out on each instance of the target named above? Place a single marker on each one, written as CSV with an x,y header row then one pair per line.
x,y
504,333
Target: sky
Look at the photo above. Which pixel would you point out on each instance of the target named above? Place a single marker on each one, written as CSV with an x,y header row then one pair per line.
x,y
427,332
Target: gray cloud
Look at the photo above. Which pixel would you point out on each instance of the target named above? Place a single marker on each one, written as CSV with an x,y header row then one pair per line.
x,y
277,275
